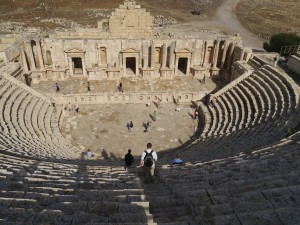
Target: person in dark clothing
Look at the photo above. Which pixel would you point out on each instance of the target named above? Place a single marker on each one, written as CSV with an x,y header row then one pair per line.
x,y
206,99
57,87
89,87
129,159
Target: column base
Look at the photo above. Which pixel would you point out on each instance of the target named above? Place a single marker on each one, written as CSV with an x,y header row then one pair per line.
x,y
166,73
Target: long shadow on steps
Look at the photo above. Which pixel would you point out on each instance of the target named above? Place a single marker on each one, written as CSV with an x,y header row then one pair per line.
x,y
165,207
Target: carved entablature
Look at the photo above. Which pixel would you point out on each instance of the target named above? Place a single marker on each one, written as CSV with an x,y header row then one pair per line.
x,y
183,53
75,52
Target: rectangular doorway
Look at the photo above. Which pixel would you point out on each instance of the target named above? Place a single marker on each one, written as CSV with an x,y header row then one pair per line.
x,y
130,65
182,66
77,65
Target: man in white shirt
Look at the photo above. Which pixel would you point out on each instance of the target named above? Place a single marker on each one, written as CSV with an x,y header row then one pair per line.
x,y
148,159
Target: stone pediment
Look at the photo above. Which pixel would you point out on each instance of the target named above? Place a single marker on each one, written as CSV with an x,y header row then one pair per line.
x,y
74,50
130,50
184,50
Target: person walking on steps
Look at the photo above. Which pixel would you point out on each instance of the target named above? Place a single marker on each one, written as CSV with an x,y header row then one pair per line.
x,y
129,159
148,159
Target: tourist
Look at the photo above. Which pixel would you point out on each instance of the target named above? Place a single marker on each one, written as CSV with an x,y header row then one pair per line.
x,y
129,159
89,87
148,159
177,161
212,102
57,87
147,126
77,108
154,116
203,80
130,126
206,99
89,154
120,87
195,114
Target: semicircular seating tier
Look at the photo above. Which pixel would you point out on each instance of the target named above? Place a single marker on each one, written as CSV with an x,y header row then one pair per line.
x,y
29,123
254,110
238,173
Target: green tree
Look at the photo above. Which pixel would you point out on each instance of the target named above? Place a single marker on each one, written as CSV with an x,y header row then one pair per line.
x,y
279,40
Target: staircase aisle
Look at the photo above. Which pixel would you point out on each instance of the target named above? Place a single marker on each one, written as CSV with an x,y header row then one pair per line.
x,y
165,207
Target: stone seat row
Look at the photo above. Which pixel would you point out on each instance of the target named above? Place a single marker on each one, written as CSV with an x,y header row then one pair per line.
x,y
27,119
261,97
258,188
76,194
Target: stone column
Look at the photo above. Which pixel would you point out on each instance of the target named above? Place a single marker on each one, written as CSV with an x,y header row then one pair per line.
x,y
164,56
39,52
145,55
224,54
242,55
71,66
230,55
216,54
176,64
152,63
205,53
188,66
24,61
83,67
193,54
32,61
136,66
124,65
120,60
171,61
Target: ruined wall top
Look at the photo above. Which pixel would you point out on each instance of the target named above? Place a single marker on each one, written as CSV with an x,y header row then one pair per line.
x,y
130,20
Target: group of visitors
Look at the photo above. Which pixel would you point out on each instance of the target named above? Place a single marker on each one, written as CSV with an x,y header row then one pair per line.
x,y
146,125
147,161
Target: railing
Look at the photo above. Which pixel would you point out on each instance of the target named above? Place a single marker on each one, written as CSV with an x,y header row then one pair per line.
x,y
289,49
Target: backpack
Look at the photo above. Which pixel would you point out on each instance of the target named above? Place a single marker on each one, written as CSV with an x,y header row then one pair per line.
x,y
148,159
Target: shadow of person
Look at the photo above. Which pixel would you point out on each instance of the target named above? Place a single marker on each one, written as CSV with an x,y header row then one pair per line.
x,y
193,104
156,104
112,155
145,127
104,154
82,155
